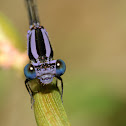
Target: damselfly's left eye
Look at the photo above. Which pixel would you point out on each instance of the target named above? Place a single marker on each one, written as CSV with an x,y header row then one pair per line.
x,y
60,67
29,71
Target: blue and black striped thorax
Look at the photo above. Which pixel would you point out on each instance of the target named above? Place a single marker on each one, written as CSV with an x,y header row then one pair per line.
x,y
39,46
42,65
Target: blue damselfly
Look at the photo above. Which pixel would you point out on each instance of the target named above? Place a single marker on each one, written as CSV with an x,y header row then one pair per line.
x,y
42,65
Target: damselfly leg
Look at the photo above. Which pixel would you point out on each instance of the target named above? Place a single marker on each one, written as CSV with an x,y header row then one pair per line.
x,y
29,91
61,87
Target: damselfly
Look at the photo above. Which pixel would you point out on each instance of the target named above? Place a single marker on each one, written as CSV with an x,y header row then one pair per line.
x,y
42,65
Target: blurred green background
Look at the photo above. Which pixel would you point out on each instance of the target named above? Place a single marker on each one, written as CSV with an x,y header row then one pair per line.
x,y
90,36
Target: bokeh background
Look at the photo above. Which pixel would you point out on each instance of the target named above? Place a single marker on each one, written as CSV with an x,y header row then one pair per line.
x,y
90,36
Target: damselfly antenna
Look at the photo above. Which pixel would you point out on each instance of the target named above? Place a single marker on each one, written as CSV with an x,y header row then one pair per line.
x,y
32,12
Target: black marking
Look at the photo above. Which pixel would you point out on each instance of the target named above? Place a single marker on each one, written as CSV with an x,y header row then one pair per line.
x,y
40,44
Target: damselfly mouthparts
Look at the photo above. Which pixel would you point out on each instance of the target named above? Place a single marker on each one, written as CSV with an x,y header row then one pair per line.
x,y
42,65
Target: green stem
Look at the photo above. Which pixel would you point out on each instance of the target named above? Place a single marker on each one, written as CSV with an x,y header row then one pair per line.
x,y
48,106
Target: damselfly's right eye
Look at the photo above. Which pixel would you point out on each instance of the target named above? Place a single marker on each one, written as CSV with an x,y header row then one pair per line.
x,y
29,71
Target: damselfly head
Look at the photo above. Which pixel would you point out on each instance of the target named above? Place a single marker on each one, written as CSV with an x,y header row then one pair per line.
x,y
45,71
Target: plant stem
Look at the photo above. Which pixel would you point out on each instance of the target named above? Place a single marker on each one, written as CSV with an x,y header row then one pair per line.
x,y
48,107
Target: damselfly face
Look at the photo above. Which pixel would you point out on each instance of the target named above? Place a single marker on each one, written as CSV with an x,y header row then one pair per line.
x,y
45,71
40,53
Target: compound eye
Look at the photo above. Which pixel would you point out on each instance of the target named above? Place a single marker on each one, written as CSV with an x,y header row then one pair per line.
x,y
60,67
29,71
